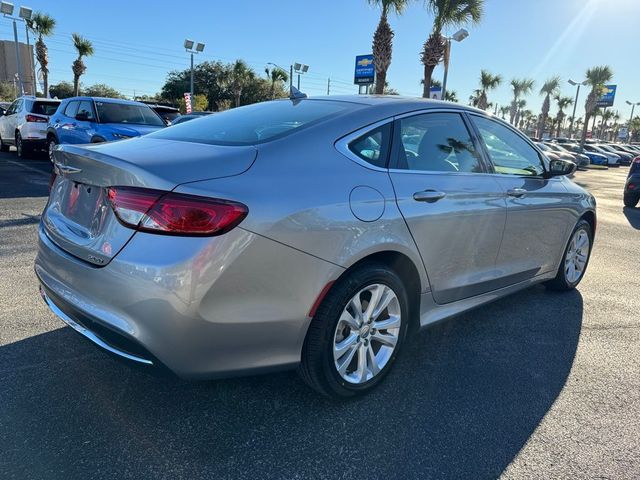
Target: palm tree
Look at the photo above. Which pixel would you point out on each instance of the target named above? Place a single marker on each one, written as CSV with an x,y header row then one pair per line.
x,y
474,98
520,87
577,126
42,25
634,129
451,96
447,13
562,102
504,111
383,40
276,74
606,116
596,77
520,104
85,49
549,89
488,82
241,74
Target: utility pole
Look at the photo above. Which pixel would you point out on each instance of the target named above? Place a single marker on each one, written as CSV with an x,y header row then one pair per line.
x,y
291,78
191,77
18,63
32,66
328,86
575,104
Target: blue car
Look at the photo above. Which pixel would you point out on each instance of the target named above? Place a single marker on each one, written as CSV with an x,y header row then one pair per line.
x,y
93,119
594,158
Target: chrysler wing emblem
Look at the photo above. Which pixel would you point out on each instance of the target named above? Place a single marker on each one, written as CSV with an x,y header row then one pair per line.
x,y
66,169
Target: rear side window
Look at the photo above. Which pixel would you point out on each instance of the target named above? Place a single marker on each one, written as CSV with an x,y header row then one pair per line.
x,y
373,147
255,123
86,108
71,109
44,108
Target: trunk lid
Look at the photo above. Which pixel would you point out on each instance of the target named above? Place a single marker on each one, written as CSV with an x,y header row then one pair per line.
x,y
79,218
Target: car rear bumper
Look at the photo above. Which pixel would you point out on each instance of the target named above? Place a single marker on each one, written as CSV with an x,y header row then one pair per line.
x,y
201,307
34,133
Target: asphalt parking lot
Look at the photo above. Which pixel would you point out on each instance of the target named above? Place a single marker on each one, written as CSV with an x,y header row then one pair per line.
x,y
538,385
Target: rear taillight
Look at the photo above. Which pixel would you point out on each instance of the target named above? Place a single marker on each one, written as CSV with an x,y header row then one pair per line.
x,y
636,160
35,118
174,213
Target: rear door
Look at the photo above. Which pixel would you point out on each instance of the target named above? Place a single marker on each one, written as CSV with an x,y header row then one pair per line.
x,y
454,210
539,209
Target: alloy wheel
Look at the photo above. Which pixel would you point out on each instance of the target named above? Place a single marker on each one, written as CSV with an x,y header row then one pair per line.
x,y
577,255
367,333
52,146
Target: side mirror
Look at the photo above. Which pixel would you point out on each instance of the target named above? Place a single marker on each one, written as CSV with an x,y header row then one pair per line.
x,y
561,167
82,117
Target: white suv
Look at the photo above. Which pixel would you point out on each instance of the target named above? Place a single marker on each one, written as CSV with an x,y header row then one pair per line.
x,y
24,124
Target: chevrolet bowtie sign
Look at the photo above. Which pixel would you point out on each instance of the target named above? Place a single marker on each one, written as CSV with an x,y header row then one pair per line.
x,y
365,72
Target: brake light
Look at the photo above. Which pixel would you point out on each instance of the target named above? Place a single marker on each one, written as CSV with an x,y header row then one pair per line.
x,y
171,213
636,160
35,118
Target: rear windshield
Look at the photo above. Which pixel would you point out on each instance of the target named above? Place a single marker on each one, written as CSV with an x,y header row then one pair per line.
x,y
109,112
254,123
44,108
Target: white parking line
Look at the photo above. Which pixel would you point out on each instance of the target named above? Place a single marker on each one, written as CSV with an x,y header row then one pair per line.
x,y
31,169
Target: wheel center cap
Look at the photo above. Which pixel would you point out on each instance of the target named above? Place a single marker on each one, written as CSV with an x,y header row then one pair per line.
x,y
364,331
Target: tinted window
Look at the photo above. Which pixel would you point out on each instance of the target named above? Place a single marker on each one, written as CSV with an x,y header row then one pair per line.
x,y
71,109
436,142
110,112
373,147
508,151
86,108
254,123
12,108
44,108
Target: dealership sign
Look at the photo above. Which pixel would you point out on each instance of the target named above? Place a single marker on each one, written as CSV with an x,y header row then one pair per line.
x,y
607,98
365,73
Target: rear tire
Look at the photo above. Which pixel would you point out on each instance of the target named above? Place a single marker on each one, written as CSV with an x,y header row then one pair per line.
x,y
340,338
51,145
575,257
22,150
3,146
630,200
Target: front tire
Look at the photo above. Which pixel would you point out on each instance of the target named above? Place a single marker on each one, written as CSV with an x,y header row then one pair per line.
x,y
575,259
630,200
356,333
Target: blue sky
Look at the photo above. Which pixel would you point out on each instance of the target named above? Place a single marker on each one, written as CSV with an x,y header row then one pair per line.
x,y
137,43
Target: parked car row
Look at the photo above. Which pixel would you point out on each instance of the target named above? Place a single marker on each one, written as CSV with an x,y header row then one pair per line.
x,y
31,123
597,152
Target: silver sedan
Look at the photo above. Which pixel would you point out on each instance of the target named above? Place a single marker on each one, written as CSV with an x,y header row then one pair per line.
x,y
317,234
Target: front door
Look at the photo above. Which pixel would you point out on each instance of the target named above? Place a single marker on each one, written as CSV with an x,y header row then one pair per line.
x,y
538,209
455,211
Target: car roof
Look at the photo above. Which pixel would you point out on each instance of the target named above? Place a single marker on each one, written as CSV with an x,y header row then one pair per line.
x,y
106,100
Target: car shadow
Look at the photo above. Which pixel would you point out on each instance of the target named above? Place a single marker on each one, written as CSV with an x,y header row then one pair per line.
x,y
633,216
461,402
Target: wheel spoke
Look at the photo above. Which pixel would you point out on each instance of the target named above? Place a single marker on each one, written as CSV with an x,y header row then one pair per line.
x,y
346,360
392,322
345,345
376,293
385,339
372,362
384,302
357,306
347,318
581,241
361,371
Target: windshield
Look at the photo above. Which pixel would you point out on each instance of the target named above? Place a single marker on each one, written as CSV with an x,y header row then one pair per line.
x,y
44,108
255,123
110,112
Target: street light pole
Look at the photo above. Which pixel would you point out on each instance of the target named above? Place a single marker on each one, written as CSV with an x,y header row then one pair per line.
x,y
459,36
191,90
189,47
18,63
575,104
6,8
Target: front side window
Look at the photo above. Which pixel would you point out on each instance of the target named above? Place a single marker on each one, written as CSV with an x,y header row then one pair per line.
x,y
510,153
12,108
373,147
436,142
85,109
111,112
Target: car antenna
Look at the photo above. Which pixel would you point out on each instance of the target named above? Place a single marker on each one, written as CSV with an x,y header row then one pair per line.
x,y
295,94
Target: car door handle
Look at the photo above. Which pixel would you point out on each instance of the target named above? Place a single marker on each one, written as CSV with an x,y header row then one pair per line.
x,y
516,192
429,196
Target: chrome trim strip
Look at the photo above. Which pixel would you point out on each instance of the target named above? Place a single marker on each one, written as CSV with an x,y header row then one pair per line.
x,y
89,334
